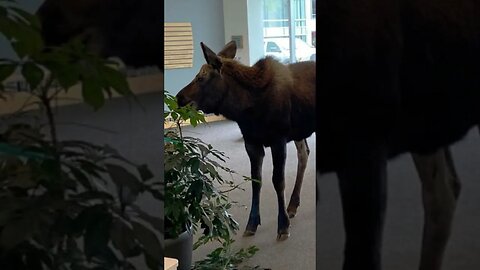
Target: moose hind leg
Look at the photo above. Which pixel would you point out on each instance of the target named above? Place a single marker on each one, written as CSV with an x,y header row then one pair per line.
x,y
302,155
256,153
454,180
440,190
363,189
279,154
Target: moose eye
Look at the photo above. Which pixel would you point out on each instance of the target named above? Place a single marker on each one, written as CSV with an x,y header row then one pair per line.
x,y
200,79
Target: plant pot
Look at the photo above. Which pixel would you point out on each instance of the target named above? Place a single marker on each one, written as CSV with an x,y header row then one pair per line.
x,y
180,248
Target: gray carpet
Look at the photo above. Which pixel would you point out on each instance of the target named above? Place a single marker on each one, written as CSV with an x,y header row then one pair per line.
x,y
403,229
297,252
137,134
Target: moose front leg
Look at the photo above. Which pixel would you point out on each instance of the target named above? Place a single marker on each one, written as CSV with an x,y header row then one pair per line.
x,y
440,190
363,190
256,153
279,154
302,156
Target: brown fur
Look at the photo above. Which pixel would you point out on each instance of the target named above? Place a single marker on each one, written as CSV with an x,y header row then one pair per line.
x,y
272,104
257,76
127,29
269,100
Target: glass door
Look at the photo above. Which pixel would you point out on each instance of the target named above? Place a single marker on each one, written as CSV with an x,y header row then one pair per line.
x,y
289,29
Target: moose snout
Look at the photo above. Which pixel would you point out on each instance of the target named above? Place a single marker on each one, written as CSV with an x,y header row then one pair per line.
x,y
182,100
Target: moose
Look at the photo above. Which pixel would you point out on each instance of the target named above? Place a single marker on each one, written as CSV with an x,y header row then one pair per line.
x,y
130,29
395,77
272,104
258,99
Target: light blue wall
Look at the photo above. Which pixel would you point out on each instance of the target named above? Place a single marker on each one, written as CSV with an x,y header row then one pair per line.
x,y
206,17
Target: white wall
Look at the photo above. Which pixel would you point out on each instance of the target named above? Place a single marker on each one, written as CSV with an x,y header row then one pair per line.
x,y
235,23
255,27
244,17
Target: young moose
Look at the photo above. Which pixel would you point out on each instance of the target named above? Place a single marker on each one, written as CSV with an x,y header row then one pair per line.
x,y
272,104
396,76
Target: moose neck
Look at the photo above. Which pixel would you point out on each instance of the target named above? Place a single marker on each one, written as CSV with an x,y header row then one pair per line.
x,y
255,77
244,87
236,100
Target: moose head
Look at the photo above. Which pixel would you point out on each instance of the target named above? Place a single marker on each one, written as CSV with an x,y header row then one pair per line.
x,y
207,90
129,29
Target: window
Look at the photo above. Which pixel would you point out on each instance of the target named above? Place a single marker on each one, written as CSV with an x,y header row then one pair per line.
x,y
314,9
272,47
276,29
178,45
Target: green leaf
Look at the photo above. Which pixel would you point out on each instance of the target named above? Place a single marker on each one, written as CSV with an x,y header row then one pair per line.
x,y
91,168
155,222
32,19
145,172
123,239
3,11
37,258
97,233
92,93
115,79
81,177
23,178
93,195
6,70
151,244
125,179
33,74
195,164
25,40
7,27
67,73
152,262
15,232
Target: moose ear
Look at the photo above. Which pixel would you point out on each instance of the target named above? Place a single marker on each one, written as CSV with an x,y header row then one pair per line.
x,y
229,50
211,58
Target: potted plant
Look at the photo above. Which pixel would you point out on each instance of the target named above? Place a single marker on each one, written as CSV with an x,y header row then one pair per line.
x,y
67,204
195,189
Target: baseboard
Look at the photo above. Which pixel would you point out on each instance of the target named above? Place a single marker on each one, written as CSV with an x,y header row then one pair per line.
x,y
139,85
209,118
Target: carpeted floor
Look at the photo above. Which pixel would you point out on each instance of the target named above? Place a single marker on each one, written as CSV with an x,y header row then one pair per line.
x,y
403,229
297,252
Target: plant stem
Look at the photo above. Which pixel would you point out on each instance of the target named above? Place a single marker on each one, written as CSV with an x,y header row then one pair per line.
x,y
179,126
57,187
45,99
51,122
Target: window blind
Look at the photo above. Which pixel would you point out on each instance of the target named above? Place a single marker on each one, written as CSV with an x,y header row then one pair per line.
x,y
178,45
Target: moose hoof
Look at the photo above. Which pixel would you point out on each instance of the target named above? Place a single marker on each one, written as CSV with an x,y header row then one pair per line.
x,y
283,236
247,233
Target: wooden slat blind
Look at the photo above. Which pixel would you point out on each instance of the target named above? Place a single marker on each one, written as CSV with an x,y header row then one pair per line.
x,y
178,45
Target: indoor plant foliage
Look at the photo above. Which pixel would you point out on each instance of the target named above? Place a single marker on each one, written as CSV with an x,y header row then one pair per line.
x,y
193,184
67,204
225,258
196,192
